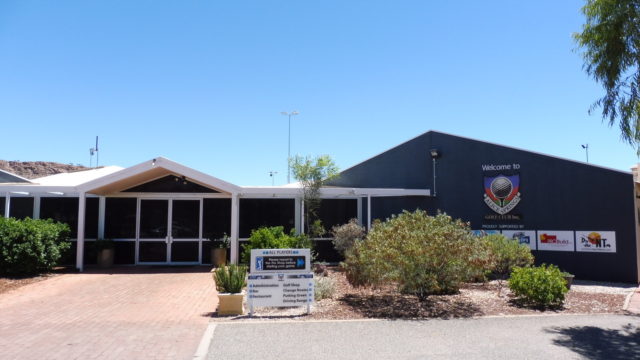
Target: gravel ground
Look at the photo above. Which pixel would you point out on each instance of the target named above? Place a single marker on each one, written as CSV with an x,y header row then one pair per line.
x,y
474,300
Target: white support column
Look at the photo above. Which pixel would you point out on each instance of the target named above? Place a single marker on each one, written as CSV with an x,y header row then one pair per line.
x,y
359,206
36,207
369,212
235,213
7,205
101,208
82,199
302,229
297,216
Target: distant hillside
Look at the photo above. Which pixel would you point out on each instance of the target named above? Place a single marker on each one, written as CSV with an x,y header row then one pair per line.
x,y
36,169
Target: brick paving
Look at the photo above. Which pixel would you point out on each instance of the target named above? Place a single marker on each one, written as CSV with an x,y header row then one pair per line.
x,y
131,313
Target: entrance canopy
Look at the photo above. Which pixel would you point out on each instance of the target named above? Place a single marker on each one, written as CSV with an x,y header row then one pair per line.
x,y
160,211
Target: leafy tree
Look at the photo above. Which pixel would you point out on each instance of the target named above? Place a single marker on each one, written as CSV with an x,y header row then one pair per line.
x,y
610,39
313,172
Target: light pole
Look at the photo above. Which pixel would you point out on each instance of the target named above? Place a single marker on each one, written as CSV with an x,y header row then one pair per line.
x,y
289,114
273,178
586,149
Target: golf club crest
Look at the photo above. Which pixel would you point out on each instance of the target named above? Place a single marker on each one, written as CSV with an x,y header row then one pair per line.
x,y
501,192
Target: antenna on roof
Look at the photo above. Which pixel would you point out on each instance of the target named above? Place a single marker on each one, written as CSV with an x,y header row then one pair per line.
x,y
97,155
94,151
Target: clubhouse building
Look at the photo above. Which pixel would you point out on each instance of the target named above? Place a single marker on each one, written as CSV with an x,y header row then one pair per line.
x,y
581,217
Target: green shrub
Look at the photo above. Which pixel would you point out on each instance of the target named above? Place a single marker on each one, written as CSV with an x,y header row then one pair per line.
x,y
345,235
31,246
421,254
273,238
324,286
230,279
538,286
507,254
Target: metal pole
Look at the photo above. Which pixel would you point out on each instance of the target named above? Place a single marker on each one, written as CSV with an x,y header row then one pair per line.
x,y
289,154
434,176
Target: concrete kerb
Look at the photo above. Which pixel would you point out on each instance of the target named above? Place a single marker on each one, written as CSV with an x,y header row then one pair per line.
x,y
634,297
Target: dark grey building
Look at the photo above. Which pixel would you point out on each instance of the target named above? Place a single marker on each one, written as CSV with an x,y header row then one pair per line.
x,y
575,215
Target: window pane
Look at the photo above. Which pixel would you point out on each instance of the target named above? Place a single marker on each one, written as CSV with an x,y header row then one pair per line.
x,y
120,218
216,220
91,218
256,213
184,251
62,209
185,219
21,207
153,219
153,251
2,205
334,212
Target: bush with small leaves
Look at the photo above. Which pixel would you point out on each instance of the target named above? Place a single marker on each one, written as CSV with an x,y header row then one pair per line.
x,y
507,254
274,238
344,236
324,286
30,246
420,254
540,286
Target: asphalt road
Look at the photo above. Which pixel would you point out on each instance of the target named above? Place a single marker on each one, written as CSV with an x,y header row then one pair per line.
x,y
532,337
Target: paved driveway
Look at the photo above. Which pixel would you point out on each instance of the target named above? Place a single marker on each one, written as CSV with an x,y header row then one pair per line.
x,y
605,337
134,313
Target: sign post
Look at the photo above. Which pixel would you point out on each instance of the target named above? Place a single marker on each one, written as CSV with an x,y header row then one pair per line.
x,y
280,277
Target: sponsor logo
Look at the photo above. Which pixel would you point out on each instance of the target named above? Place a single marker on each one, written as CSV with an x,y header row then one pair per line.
x,y
501,193
259,262
522,238
594,240
552,239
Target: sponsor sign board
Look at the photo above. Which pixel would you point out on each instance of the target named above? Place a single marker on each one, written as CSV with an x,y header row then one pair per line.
x,y
596,241
480,233
280,289
555,240
280,260
526,237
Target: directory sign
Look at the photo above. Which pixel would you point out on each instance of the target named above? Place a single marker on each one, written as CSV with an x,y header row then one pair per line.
x,y
280,261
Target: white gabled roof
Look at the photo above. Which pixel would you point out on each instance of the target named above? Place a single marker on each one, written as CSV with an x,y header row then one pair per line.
x,y
16,176
76,178
151,170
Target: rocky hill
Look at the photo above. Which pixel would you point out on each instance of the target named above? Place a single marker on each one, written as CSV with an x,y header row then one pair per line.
x,y
36,169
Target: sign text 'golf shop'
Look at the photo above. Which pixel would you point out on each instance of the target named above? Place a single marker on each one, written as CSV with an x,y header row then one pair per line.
x,y
280,277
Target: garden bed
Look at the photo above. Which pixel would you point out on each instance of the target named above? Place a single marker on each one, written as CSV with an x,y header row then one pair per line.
x,y
8,283
474,300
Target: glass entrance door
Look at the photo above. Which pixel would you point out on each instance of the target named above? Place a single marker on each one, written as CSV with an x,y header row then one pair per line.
x,y
169,231
185,231
153,241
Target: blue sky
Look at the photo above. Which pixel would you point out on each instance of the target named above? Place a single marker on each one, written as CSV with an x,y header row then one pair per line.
x,y
203,82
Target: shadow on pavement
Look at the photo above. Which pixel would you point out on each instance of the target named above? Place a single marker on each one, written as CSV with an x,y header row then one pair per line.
x,y
149,269
409,307
593,342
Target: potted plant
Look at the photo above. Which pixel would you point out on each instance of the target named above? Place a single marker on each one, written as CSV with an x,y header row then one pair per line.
x,y
219,251
105,249
230,280
568,278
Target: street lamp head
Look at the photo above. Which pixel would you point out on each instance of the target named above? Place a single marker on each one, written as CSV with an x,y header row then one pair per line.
x,y
284,113
294,112
434,153
585,146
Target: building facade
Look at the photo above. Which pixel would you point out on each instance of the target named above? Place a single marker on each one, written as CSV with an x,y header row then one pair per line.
x,y
581,217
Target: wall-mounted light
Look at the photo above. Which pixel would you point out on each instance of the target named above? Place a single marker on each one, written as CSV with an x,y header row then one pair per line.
x,y
434,155
184,180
